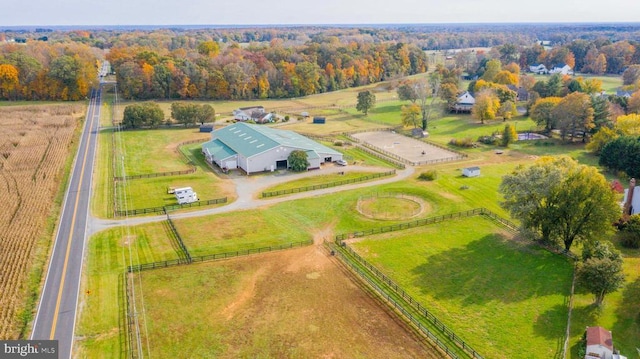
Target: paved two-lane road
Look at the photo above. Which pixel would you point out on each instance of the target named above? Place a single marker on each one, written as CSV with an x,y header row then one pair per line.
x,y
56,314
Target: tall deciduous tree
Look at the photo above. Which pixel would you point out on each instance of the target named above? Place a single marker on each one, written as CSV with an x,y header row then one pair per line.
x,y
410,115
542,112
366,101
574,114
560,200
600,272
486,106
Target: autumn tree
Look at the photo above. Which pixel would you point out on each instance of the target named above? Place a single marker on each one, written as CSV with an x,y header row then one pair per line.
x,y
542,112
600,271
574,114
9,80
633,103
410,115
560,200
631,76
209,48
507,110
509,135
506,78
366,101
628,125
492,68
600,139
205,113
486,106
407,92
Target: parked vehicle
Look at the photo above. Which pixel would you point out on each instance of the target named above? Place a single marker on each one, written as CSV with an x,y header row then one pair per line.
x,y
341,163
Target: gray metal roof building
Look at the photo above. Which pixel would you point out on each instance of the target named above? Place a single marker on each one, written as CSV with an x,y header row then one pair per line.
x,y
256,148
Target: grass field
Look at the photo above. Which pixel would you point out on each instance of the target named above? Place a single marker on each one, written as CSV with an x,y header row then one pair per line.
x,y
539,311
620,313
109,254
506,299
319,180
151,151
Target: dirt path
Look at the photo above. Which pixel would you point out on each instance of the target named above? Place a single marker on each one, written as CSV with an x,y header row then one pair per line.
x,y
248,190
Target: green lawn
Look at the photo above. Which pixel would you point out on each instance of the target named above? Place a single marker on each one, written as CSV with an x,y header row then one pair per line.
x,y
320,180
151,151
108,254
506,299
152,192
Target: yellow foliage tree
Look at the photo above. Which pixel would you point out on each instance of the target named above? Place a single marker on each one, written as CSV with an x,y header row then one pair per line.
x,y
8,80
486,107
628,125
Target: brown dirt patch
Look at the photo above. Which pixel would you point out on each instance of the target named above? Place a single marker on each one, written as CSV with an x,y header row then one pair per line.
x,y
297,303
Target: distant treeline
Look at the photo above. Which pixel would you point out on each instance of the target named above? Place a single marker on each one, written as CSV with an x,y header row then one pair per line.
x,y
270,70
47,71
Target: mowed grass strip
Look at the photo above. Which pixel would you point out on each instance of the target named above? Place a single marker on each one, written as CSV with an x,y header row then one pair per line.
x,y
505,298
108,255
319,180
290,304
155,150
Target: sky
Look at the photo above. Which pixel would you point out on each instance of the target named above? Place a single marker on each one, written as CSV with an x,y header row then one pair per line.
x,y
282,12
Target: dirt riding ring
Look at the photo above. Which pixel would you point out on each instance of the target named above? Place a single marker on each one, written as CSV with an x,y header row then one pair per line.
x,y
391,206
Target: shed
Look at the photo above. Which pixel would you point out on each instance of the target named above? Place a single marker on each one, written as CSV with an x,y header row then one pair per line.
x,y
319,120
207,127
471,172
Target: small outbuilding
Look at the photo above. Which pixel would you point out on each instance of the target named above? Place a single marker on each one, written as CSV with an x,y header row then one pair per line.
x,y
471,171
600,344
206,127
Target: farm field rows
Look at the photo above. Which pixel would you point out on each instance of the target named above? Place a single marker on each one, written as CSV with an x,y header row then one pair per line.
x,y
35,144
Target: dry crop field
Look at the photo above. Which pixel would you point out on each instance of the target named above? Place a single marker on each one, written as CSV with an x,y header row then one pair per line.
x,y
34,143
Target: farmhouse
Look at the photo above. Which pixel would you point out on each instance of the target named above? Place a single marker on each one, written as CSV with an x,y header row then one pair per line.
x,y
539,69
464,103
254,148
254,113
600,344
471,172
562,69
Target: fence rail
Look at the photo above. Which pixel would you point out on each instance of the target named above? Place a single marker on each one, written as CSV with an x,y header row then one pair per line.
x,y
216,256
165,209
413,303
397,164
327,185
193,169
397,306
184,253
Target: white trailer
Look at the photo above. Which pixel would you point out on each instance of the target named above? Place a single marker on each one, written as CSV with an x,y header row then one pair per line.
x,y
185,195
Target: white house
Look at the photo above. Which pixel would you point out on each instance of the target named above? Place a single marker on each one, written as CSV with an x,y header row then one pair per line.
x,y
255,148
562,69
539,69
254,113
600,344
464,103
471,171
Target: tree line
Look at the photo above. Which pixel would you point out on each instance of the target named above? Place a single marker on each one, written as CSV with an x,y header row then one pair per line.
x,y
47,71
211,71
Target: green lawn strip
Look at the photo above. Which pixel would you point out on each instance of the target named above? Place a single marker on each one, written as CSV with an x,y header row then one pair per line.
x,y
503,298
152,151
379,287
324,179
620,312
152,192
108,256
362,157
103,186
